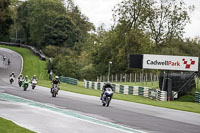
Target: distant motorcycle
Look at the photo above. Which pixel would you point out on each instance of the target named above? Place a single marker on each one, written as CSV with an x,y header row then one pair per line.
x,y
11,79
25,85
55,90
20,82
107,96
34,82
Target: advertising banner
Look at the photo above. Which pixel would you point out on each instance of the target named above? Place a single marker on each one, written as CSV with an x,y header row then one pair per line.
x,y
167,62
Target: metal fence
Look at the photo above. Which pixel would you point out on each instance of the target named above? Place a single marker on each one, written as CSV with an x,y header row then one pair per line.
x,y
131,77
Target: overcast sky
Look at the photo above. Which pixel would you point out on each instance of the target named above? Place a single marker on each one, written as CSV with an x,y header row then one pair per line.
x,y
100,12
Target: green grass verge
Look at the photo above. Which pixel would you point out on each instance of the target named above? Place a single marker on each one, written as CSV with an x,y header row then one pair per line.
x,y
32,64
179,104
7,126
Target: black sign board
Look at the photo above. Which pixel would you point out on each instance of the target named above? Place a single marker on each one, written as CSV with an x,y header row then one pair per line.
x,y
136,61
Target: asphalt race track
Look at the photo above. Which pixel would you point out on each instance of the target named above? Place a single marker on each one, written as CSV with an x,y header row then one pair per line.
x,y
76,113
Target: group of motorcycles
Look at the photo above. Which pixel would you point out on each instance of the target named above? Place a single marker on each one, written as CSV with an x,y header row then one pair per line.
x,y
24,83
105,97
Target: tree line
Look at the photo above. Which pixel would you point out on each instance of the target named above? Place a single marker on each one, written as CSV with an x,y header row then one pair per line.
x,y
80,50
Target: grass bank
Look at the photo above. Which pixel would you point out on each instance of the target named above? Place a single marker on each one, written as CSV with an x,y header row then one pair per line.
x,y
179,104
32,64
7,126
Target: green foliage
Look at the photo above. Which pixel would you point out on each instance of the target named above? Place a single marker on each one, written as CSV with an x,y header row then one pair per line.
x,y
47,22
34,14
61,33
162,20
65,66
141,27
87,72
5,19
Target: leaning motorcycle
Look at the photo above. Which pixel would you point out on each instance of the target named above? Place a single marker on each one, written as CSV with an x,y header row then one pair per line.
x,y
25,85
34,82
54,90
107,96
11,79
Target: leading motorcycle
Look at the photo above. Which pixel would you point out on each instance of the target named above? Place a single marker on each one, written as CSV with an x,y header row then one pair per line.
x,y
107,96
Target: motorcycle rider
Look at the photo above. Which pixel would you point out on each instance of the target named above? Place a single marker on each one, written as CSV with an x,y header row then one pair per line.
x,y
34,78
106,85
9,61
12,75
20,78
25,80
4,57
56,81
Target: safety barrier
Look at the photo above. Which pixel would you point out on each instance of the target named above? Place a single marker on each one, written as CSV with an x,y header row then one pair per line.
x,y
35,51
68,80
130,90
197,97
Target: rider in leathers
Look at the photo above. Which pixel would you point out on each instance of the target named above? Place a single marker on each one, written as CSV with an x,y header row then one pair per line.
x,y
106,85
56,81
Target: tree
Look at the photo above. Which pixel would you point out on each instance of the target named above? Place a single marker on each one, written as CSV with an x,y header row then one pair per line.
x,y
167,20
61,33
132,13
5,19
34,14
163,20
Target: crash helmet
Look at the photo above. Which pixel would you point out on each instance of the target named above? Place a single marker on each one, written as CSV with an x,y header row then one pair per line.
x,y
107,84
56,77
34,75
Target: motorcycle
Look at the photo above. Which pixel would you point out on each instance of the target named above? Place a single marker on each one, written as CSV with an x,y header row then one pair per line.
x,y
54,90
34,82
26,82
11,79
107,96
20,82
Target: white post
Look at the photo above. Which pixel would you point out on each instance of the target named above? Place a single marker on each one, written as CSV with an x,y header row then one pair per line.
x,y
135,77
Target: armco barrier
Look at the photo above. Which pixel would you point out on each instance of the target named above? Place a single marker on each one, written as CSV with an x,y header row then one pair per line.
x,y
71,81
35,51
131,90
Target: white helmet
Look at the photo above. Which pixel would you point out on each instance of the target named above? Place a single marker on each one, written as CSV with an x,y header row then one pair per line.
x,y
56,77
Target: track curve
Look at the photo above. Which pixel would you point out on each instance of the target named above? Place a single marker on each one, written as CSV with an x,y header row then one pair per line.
x,y
133,115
